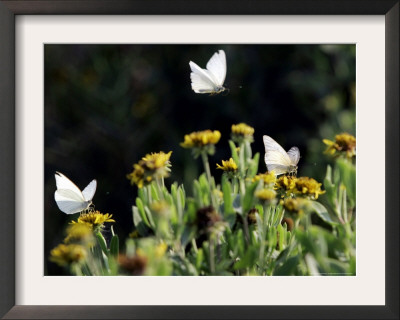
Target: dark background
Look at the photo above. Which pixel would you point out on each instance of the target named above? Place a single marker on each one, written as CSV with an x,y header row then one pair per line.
x,y
106,106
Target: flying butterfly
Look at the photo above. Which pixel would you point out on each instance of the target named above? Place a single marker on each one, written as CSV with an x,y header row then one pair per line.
x,y
210,80
69,198
278,160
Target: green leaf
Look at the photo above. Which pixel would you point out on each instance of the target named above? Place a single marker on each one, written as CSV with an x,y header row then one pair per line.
x,y
138,222
248,260
322,212
348,176
249,197
140,208
235,155
114,246
288,267
253,168
102,242
229,212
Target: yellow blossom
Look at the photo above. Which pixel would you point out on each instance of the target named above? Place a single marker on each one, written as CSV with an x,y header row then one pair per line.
x,y
228,165
152,166
242,132
295,205
308,186
160,250
80,232
265,194
344,143
94,219
201,138
269,178
286,183
65,254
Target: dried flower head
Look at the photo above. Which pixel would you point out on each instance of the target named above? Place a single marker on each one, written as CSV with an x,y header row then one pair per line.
x,y
152,166
344,144
66,254
242,132
135,265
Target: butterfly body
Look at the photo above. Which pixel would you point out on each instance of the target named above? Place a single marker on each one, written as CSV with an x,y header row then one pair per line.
x,y
210,80
69,198
278,160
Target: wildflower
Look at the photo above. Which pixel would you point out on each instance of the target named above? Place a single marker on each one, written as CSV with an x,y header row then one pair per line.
x,y
65,254
152,166
201,141
309,187
160,250
268,178
228,166
344,143
242,132
135,265
295,205
160,207
94,219
285,183
81,233
266,195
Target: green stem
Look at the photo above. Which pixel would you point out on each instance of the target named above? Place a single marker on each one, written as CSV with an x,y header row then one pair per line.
x,y
212,256
204,157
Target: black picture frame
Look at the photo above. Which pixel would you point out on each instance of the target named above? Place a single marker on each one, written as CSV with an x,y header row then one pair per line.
x,y
8,11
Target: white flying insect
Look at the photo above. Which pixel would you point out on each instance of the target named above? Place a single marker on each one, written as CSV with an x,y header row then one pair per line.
x,y
278,160
210,80
69,198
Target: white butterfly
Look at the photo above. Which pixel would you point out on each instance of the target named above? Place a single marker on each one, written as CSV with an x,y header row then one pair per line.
x,y
69,198
278,160
210,80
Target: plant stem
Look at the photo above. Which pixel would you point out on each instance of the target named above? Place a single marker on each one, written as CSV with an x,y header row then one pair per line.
x,y
204,157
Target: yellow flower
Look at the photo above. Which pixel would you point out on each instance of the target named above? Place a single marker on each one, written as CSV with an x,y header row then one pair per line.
x,y
295,205
94,219
161,207
344,143
308,186
265,195
242,132
65,254
80,232
160,250
269,178
228,165
286,183
152,166
201,138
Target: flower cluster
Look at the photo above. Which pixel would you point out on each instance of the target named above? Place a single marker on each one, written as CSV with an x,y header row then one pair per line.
x,y
65,254
344,144
242,132
201,141
305,186
268,178
229,167
94,219
152,166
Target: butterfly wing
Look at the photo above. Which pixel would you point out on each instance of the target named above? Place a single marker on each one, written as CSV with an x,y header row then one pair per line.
x,y
63,182
90,190
294,155
217,66
202,80
69,201
276,158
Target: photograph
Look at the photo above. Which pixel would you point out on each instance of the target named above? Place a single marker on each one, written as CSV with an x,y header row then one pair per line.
x,y
199,159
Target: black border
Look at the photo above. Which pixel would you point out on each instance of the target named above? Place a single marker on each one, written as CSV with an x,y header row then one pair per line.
x,y
8,10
